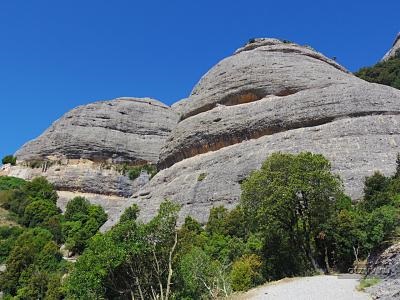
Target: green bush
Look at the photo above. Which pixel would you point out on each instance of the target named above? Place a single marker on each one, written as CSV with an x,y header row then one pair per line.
x,y
201,176
386,72
134,172
27,193
82,221
39,212
8,237
246,272
10,183
9,159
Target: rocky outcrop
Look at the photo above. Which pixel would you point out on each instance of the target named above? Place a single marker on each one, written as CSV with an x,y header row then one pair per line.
x,y
386,266
269,96
356,146
129,130
80,176
272,96
394,50
84,151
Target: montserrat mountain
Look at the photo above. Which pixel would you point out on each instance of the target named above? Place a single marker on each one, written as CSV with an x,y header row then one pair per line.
x,y
395,50
269,96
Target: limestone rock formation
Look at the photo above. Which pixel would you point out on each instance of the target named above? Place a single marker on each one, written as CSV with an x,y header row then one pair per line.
x,y
269,96
386,266
394,50
272,96
82,153
121,130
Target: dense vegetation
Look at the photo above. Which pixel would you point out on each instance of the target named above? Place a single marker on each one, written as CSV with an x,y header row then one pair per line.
x,y
293,219
31,250
385,72
9,159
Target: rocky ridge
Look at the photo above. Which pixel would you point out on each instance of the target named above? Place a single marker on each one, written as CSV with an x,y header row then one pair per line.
x,y
269,96
272,96
130,130
86,151
394,50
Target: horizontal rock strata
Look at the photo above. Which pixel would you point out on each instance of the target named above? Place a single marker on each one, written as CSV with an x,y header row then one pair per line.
x,y
269,96
227,125
121,130
356,146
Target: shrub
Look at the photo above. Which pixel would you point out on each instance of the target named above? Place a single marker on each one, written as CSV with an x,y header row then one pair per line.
x,y
38,212
10,183
246,272
386,72
82,221
201,176
27,193
8,236
9,159
134,172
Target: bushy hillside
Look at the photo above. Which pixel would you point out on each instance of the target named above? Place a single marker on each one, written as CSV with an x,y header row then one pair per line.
x,y
385,72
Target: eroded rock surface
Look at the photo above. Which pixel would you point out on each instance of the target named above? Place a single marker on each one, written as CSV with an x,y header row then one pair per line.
x,y
386,266
269,96
272,96
82,153
356,146
121,130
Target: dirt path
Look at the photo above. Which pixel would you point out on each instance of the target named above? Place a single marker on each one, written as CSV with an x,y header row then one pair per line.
x,y
308,288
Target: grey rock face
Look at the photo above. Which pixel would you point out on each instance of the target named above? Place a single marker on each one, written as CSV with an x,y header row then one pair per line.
x,y
82,176
356,146
274,80
227,125
79,151
396,47
272,96
269,96
267,67
121,130
387,267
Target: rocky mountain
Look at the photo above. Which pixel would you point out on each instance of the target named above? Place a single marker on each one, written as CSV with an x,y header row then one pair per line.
x,y
394,50
84,151
270,95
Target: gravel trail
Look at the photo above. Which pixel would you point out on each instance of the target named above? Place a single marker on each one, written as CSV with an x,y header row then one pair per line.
x,y
308,288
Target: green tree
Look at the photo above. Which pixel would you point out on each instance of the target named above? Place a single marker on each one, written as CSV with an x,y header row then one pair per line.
x,y
9,159
141,263
130,214
289,200
202,276
38,212
8,237
37,189
28,245
82,221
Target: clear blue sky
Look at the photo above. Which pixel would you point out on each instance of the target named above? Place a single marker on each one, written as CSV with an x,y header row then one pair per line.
x,y
55,55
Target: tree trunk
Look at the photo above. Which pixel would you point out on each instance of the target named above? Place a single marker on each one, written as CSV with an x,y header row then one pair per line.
x,y
170,266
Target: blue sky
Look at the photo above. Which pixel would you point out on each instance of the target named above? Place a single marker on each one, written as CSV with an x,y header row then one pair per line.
x,y
55,55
